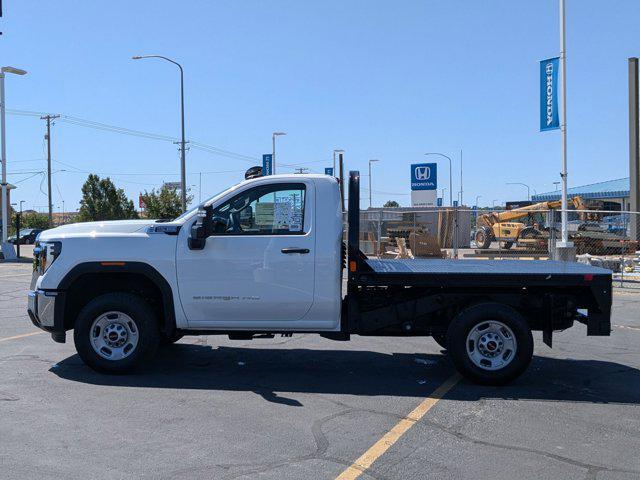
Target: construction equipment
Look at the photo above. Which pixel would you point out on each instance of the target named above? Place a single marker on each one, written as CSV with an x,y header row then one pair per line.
x,y
499,226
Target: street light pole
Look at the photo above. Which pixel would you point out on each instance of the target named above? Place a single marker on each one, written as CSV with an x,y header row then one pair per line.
x,y
273,157
334,160
7,248
563,129
370,162
450,175
524,185
183,169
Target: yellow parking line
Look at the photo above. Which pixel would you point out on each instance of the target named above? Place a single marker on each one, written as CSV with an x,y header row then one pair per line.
x,y
392,436
20,336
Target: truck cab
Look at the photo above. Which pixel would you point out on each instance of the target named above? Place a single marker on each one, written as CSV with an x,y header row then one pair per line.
x,y
267,257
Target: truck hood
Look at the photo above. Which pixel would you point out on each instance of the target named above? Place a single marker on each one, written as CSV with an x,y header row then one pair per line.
x,y
112,227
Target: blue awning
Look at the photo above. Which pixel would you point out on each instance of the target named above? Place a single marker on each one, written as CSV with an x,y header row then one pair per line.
x,y
610,189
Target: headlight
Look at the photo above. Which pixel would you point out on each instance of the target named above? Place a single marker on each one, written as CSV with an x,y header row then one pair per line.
x,y
44,254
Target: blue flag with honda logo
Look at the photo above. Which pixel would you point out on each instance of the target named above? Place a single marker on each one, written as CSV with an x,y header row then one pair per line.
x,y
267,164
424,176
549,72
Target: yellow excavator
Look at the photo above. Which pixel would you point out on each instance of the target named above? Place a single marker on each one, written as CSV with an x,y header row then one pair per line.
x,y
499,226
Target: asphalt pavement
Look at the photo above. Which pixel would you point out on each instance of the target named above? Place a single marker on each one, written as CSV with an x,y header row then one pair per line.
x,y
309,408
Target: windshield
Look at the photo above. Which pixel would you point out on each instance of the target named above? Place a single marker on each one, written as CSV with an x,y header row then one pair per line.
x,y
195,209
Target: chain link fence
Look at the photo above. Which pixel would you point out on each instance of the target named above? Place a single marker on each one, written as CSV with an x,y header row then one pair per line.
x,y
601,237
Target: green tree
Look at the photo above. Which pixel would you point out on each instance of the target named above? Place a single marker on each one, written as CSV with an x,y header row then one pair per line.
x,y
34,220
391,204
101,200
164,203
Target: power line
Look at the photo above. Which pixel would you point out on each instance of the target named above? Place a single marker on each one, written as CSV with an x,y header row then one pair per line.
x,y
81,122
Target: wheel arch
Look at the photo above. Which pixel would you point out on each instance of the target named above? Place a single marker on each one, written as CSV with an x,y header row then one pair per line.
x,y
88,280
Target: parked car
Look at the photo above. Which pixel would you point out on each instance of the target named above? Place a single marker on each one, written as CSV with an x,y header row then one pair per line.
x,y
27,236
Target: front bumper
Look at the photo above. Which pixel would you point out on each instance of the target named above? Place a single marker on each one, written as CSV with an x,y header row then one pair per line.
x,y
45,309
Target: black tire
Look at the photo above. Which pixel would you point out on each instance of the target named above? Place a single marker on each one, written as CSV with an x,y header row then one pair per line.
x,y
475,316
440,340
530,232
144,321
483,237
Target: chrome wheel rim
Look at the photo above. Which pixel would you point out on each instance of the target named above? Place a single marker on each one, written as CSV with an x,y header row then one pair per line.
x,y
114,335
491,345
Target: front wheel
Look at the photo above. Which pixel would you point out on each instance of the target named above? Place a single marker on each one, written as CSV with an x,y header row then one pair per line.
x,y
483,237
116,332
490,343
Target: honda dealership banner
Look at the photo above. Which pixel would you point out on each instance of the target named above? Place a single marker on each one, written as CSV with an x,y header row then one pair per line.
x,y
549,72
267,164
424,184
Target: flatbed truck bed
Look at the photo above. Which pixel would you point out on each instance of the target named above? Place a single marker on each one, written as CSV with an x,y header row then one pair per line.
x,y
445,298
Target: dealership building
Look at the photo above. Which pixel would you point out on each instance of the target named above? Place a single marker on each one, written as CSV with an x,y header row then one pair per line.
x,y
608,195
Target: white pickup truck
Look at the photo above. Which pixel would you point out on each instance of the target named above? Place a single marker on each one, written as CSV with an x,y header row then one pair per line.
x,y
267,257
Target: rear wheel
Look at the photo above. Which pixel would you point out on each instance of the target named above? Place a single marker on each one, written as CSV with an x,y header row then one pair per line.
x,y
530,232
490,343
116,332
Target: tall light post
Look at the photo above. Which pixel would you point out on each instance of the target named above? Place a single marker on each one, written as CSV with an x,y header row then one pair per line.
x,y
563,130
7,248
477,197
443,189
370,162
273,142
524,185
183,173
339,150
450,175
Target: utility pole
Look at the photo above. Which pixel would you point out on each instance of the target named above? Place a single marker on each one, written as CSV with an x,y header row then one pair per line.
x,y
301,170
47,137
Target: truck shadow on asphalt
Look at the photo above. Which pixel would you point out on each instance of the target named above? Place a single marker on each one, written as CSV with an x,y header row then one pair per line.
x,y
269,371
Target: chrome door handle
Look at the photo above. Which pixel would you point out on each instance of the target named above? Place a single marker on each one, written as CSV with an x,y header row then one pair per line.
x,y
295,250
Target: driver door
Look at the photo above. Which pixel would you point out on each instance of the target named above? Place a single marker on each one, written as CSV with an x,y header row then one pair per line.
x,y
259,273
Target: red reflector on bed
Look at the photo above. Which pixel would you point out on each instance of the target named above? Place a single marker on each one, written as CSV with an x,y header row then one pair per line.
x,y
588,277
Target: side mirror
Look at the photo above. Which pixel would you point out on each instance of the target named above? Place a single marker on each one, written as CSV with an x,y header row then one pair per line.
x,y
201,229
205,226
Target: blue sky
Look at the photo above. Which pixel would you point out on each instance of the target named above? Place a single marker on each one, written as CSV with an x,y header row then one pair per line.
x,y
385,80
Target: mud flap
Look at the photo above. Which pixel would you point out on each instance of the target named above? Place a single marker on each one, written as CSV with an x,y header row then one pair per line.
x,y
547,330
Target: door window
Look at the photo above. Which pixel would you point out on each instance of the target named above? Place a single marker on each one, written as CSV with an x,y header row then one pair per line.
x,y
276,209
